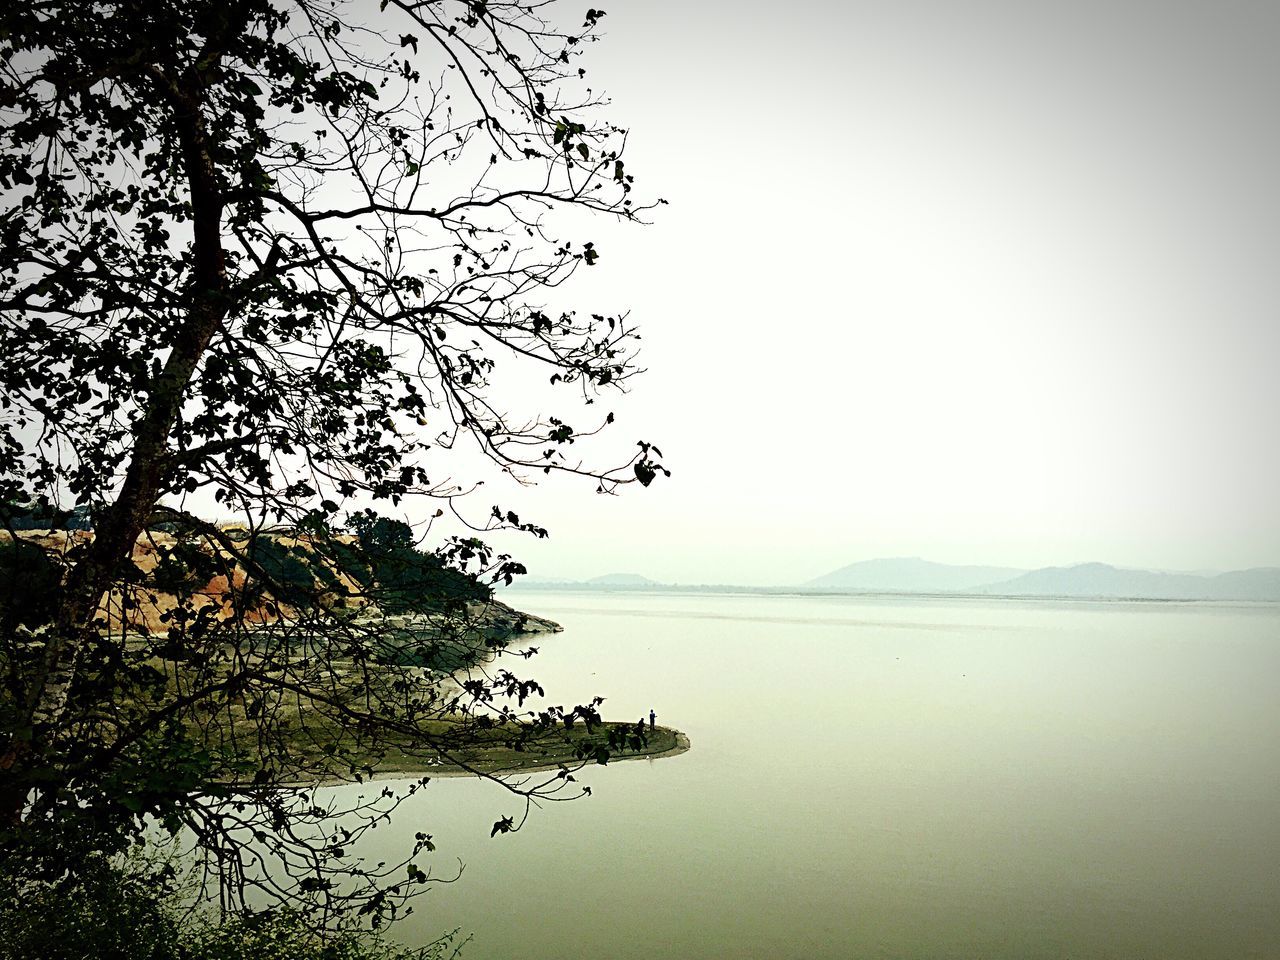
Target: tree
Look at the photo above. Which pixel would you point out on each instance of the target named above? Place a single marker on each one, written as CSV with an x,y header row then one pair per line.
x,y
272,255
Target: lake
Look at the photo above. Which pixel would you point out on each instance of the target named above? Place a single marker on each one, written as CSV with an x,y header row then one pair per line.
x,y
887,777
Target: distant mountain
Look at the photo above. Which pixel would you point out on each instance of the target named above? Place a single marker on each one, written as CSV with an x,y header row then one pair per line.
x,y
543,583
910,575
1102,580
621,580
1258,583
914,575
628,581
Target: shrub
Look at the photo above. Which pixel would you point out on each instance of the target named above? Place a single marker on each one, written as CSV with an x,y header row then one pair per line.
x,y
107,912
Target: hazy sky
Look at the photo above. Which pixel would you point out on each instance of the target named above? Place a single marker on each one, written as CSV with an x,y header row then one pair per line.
x,y
982,282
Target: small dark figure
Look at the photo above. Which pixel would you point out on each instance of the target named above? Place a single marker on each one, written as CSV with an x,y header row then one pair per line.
x,y
652,717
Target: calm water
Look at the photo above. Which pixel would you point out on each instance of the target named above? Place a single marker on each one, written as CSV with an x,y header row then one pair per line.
x,y
889,778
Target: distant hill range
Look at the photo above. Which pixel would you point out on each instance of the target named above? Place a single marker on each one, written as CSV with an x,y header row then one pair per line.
x,y
1099,580
622,580
912,575
609,581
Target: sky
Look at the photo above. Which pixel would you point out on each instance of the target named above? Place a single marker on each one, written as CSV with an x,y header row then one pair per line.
x,y
983,282
987,282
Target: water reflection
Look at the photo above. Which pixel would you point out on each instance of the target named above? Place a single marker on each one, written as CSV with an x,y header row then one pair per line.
x,y
890,779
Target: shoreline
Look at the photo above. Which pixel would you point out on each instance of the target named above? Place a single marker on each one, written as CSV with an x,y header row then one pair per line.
x,y
448,772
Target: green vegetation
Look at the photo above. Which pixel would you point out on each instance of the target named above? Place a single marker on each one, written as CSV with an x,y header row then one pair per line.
x,y
502,748
409,580
105,911
35,513
184,320
612,741
290,578
380,562
28,584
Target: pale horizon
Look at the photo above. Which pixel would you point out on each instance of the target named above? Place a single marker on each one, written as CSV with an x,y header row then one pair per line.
x,y
533,576
987,287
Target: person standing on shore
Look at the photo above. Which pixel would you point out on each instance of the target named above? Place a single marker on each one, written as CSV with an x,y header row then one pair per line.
x,y
652,717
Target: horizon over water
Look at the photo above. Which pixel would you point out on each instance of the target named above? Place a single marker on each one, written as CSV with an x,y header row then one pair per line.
x,y
888,777
917,576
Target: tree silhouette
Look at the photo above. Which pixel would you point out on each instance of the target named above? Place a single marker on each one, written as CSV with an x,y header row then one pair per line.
x,y
278,254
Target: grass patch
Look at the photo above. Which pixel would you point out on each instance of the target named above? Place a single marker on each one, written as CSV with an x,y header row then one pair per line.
x,y
336,751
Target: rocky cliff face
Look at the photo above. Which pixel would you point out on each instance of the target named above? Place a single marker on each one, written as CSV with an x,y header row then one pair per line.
x,y
502,616
210,578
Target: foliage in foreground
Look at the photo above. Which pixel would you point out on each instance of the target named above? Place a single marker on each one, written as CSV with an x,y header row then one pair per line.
x,y
108,913
279,256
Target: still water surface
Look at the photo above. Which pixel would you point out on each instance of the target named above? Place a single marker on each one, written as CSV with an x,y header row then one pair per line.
x,y
888,778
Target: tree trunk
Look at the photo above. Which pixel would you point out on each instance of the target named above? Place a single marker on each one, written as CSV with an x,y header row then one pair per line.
x,y
120,524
